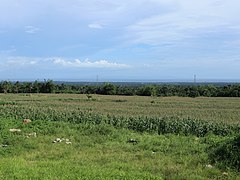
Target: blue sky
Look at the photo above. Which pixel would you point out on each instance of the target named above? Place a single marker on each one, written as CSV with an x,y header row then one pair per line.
x,y
119,40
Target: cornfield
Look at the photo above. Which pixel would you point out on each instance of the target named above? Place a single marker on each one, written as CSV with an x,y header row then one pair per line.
x,y
159,125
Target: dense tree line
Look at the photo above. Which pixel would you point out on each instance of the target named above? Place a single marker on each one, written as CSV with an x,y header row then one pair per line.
x,y
48,86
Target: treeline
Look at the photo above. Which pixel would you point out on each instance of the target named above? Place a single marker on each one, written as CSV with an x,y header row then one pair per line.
x,y
48,86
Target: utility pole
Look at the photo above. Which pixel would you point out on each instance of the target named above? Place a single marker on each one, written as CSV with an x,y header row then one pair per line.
x,y
195,78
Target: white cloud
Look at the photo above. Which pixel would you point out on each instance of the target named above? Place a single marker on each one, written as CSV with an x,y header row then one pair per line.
x,y
31,29
20,62
89,64
10,64
116,13
189,19
51,62
95,26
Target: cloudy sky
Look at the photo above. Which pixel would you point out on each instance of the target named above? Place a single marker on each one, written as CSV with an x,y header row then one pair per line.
x,y
119,40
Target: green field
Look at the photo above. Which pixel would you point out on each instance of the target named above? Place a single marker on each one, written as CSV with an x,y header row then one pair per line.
x,y
218,109
100,150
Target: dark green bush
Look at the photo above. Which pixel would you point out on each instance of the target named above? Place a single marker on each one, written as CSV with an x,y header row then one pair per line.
x,y
227,154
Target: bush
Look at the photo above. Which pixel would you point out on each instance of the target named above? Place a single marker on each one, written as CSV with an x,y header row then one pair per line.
x,y
227,154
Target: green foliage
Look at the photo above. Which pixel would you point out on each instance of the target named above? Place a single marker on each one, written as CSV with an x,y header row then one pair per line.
x,y
129,89
185,126
227,153
109,89
7,103
101,152
149,90
167,144
193,94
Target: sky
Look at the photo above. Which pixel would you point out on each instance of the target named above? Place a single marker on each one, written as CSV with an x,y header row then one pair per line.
x,y
121,40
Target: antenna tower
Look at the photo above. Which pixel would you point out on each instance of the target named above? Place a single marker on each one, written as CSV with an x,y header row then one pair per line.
x,y
195,78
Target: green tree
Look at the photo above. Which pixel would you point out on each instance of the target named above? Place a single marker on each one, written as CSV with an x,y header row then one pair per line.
x,y
6,86
109,89
147,91
49,86
16,87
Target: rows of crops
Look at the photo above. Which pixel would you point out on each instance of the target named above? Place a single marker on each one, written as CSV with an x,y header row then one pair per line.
x,y
163,125
226,110
155,117
197,116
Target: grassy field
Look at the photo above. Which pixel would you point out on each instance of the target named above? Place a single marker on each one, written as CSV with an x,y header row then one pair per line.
x,y
225,110
101,151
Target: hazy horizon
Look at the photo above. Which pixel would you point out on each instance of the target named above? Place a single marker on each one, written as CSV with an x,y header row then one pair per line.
x,y
132,80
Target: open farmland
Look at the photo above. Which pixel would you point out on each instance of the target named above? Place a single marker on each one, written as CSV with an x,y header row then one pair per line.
x,y
220,109
115,137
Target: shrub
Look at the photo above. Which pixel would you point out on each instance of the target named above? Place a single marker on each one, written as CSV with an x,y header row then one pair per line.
x,y
227,153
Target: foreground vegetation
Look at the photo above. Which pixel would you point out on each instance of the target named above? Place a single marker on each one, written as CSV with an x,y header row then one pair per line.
x,y
117,137
103,152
